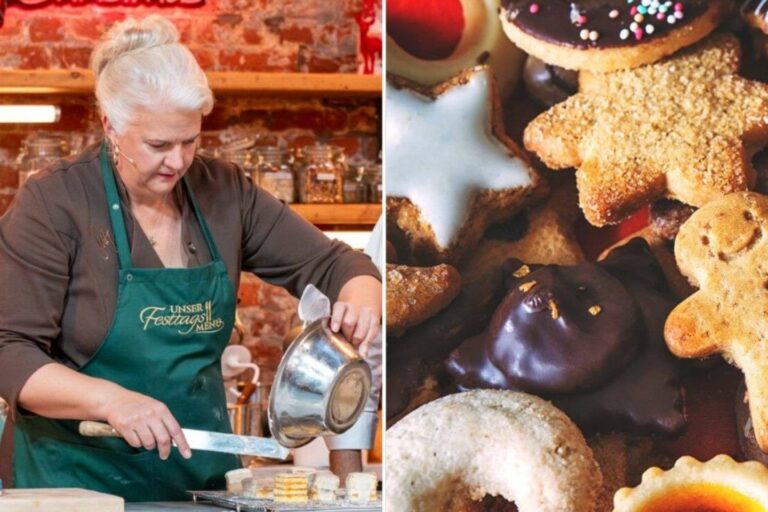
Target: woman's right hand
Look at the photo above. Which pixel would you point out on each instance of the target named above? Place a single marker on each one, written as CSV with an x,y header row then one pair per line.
x,y
144,421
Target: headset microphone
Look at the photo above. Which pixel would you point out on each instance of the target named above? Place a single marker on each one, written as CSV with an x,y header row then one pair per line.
x,y
130,160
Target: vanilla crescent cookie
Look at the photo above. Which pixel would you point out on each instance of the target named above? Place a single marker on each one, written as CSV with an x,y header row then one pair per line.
x,y
451,168
684,128
723,249
721,484
482,42
462,447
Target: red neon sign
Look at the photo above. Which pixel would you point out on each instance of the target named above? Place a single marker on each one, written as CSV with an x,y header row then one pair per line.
x,y
163,3
36,4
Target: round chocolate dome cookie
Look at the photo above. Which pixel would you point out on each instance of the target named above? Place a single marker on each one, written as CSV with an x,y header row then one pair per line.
x,y
608,35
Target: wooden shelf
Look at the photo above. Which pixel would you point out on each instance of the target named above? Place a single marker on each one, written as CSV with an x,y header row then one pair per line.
x,y
340,214
325,85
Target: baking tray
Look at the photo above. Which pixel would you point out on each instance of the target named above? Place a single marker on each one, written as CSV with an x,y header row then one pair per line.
x,y
242,504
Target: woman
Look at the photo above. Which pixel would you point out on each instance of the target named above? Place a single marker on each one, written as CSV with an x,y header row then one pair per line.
x,y
123,265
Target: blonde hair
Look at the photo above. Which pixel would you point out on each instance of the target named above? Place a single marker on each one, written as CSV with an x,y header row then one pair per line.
x,y
141,64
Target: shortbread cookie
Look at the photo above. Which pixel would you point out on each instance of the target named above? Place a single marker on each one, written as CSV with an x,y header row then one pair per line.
x,y
609,35
451,169
419,49
719,484
685,128
361,487
588,337
723,249
548,237
417,293
461,447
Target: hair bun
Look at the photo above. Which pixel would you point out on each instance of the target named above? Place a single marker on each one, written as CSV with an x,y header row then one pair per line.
x,y
133,35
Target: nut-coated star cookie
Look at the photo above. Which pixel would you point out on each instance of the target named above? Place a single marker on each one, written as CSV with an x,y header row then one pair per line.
x,y
683,128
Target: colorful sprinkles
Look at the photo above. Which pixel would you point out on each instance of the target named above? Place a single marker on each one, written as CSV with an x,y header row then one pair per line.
x,y
661,10
642,13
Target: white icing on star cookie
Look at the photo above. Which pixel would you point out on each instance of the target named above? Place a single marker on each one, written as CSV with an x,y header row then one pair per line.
x,y
442,152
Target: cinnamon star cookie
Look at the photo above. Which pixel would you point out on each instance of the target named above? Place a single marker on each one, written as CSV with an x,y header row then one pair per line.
x,y
451,168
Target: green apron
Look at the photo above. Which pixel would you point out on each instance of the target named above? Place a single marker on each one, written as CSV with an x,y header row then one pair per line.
x,y
169,330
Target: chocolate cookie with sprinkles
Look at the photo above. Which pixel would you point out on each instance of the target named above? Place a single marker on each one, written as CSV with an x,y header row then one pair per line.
x,y
608,35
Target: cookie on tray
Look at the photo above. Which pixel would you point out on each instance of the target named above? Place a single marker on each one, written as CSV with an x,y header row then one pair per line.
x,y
683,128
430,47
417,293
723,249
609,35
451,169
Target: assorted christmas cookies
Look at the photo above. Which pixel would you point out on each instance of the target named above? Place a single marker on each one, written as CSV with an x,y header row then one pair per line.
x,y
684,128
658,140
607,35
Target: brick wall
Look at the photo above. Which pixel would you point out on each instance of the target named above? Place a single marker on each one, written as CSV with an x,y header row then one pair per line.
x,y
225,35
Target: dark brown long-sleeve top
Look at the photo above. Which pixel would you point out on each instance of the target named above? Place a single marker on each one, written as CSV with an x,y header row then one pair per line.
x,y
59,265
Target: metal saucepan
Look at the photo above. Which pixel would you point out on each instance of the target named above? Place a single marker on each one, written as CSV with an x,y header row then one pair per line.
x,y
320,387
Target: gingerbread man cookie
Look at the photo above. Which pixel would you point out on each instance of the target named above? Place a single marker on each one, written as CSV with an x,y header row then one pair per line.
x,y
451,168
683,128
723,249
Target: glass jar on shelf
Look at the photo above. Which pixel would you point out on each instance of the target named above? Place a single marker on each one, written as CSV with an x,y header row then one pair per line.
x,y
321,176
373,181
275,174
239,153
355,186
38,151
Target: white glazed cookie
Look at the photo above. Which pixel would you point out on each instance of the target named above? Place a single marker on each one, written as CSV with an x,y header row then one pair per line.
x,y
482,42
464,446
451,169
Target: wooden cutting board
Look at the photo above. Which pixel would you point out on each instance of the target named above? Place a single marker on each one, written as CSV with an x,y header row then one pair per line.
x,y
58,500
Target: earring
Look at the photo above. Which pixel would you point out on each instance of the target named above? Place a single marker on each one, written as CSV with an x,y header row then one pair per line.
x,y
115,154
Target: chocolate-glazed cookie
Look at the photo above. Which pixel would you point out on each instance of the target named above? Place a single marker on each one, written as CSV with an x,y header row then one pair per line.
x,y
608,35
558,330
549,84
638,391
667,215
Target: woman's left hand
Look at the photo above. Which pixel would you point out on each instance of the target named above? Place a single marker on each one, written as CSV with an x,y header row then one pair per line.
x,y
359,324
